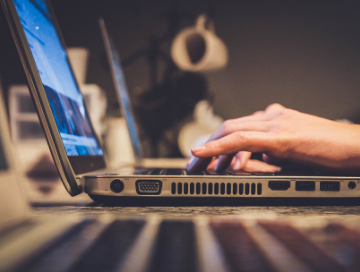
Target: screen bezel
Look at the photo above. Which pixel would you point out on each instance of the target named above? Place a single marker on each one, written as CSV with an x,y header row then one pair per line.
x,y
67,166
4,137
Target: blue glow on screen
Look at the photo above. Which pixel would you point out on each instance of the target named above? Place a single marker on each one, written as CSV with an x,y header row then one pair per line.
x,y
64,97
125,101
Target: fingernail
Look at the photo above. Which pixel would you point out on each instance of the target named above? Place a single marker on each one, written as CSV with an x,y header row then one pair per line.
x,y
198,148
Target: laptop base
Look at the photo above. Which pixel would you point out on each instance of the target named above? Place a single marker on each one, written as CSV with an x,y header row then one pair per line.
x,y
226,201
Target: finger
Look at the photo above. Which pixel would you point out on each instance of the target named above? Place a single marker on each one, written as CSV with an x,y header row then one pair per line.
x,y
190,160
199,164
213,163
247,123
274,107
252,141
259,166
224,162
241,159
272,160
232,126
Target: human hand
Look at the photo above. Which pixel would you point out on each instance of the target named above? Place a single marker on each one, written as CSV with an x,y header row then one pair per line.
x,y
282,134
239,161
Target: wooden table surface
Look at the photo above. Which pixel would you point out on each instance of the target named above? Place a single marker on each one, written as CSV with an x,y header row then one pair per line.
x,y
91,208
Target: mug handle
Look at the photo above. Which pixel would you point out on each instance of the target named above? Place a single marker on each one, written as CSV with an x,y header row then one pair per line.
x,y
203,22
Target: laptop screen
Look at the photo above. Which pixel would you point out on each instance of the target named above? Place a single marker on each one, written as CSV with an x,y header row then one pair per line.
x,y
122,91
3,162
65,99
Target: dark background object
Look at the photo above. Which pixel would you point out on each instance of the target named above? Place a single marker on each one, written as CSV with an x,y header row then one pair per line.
x,y
303,54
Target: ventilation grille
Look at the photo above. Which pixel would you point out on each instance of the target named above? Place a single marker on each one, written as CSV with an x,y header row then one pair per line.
x,y
209,188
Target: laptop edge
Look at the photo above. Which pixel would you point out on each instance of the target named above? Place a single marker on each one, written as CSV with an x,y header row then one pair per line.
x,y
67,167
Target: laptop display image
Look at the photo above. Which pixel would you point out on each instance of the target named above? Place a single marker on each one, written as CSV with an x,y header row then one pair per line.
x,y
65,100
79,157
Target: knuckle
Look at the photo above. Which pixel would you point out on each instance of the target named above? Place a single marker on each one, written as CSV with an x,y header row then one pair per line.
x,y
287,113
226,127
283,113
216,145
241,136
274,106
258,113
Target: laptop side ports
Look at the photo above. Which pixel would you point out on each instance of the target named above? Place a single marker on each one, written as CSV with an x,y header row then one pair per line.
x,y
329,186
279,185
305,186
148,187
117,186
351,185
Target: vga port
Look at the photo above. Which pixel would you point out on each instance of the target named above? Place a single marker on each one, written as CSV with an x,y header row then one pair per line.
x,y
148,187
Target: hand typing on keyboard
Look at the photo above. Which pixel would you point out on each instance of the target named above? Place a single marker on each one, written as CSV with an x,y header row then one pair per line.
x,y
281,134
241,158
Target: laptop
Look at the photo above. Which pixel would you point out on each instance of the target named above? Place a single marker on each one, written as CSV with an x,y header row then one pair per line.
x,y
123,97
80,160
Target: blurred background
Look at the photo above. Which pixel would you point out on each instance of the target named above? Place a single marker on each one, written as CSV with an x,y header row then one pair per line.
x,y
302,54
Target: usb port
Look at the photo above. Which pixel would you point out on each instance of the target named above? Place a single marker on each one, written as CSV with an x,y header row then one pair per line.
x,y
279,185
329,186
148,187
305,186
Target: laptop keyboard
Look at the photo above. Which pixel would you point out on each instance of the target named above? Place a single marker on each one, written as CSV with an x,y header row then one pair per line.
x,y
286,171
184,172
160,171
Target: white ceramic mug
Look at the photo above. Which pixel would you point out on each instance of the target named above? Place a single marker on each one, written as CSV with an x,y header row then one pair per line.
x,y
78,57
198,49
118,143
